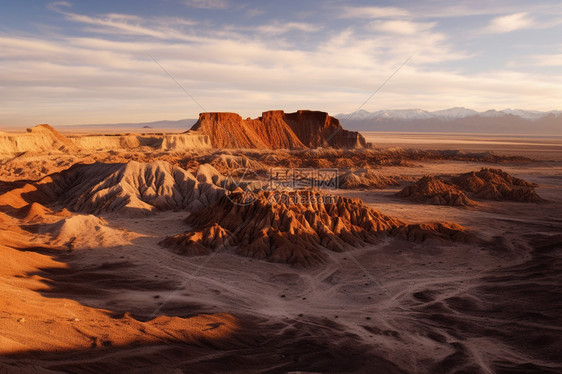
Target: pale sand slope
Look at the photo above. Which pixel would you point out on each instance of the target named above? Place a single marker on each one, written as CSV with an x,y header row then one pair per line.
x,y
29,321
86,232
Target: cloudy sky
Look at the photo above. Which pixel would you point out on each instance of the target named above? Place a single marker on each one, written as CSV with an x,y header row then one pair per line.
x,y
74,62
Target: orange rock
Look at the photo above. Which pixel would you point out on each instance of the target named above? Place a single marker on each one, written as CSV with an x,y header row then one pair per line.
x,y
296,230
488,184
277,130
436,192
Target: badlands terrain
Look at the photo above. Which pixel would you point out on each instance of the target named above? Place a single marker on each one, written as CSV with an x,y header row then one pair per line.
x,y
386,253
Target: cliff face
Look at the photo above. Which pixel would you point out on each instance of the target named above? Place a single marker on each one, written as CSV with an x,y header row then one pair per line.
x,y
277,130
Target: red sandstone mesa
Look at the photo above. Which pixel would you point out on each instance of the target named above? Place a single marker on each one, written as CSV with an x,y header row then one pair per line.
x,y
277,130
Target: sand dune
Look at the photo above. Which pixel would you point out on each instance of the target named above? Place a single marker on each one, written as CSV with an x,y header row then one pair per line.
x,y
86,232
32,322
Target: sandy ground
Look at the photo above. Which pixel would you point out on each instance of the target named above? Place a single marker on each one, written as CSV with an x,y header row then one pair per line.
x,y
395,307
536,147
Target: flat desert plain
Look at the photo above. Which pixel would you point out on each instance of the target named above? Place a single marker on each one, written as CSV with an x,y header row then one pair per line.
x,y
443,254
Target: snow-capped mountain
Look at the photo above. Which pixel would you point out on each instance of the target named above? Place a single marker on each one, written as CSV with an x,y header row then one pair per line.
x,y
530,114
445,114
507,121
396,113
457,112
492,113
357,115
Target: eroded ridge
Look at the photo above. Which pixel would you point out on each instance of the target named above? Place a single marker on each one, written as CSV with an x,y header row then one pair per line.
x,y
298,230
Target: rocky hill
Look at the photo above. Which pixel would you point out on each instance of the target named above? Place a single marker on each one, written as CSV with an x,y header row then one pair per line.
x,y
128,189
367,179
297,232
434,191
277,130
460,190
495,184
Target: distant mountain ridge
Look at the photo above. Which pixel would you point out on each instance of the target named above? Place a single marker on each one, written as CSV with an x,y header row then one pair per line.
x,y
451,113
458,119
454,120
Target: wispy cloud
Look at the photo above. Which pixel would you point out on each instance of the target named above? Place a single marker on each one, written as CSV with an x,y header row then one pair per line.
x,y
548,60
372,12
254,12
281,28
511,22
208,4
100,71
169,28
57,4
401,26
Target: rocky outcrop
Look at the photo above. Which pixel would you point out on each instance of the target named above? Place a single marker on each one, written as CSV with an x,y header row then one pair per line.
x,y
365,180
37,140
318,129
495,184
44,139
163,142
277,130
434,191
59,141
296,228
225,161
130,189
184,142
486,184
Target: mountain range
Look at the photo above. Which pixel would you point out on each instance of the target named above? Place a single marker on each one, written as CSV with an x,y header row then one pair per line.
x,y
457,120
453,120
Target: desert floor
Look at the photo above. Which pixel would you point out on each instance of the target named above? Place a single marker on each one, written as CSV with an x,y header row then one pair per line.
x,y
491,306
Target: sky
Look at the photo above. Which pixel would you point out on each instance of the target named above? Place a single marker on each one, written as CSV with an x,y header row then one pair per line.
x,y
84,62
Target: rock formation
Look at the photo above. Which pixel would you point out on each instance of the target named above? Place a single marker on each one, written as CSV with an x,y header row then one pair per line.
x,y
365,179
486,184
43,139
296,228
59,141
37,140
277,130
131,189
495,184
434,191
226,161
161,142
